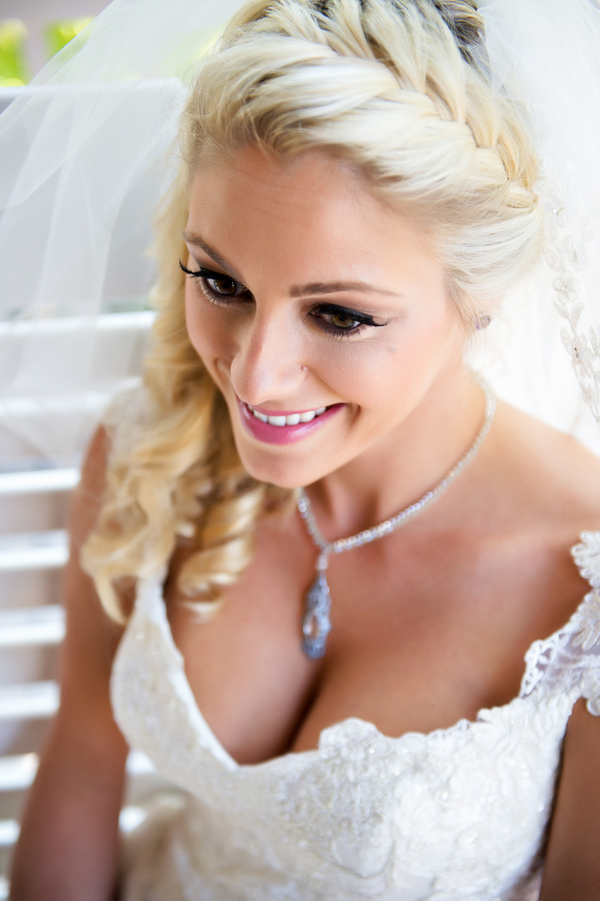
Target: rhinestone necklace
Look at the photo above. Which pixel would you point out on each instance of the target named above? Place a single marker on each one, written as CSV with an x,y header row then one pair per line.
x,y
316,623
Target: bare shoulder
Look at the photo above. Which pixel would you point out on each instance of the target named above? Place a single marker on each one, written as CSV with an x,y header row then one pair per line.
x,y
550,476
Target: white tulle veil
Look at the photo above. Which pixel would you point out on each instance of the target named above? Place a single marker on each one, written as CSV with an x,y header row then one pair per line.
x,y
86,153
544,353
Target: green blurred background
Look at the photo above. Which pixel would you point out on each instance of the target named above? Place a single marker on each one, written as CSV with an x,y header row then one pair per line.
x,y
32,31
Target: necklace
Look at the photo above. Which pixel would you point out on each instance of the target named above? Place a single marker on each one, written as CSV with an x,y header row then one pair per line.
x,y
316,624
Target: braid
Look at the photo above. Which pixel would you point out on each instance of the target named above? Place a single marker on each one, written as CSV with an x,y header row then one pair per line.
x,y
464,22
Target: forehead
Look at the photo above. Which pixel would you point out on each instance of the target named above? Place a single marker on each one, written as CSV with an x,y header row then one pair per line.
x,y
309,211
304,188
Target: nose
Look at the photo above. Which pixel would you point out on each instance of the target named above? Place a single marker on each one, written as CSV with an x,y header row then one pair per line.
x,y
267,365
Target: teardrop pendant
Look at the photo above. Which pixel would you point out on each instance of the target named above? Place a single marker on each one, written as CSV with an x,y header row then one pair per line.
x,y
316,624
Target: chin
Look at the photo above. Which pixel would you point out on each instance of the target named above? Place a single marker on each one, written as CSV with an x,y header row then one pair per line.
x,y
275,469
283,474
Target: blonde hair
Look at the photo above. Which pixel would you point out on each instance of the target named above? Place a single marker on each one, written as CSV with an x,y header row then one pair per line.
x,y
397,89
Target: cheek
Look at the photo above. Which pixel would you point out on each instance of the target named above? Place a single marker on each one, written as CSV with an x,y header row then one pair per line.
x,y
206,328
388,375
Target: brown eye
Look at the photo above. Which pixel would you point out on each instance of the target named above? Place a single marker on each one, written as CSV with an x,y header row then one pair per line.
x,y
224,287
338,320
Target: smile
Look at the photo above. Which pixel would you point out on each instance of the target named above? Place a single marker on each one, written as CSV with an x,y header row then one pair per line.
x,y
282,427
289,419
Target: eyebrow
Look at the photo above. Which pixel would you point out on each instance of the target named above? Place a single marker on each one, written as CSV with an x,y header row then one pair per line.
x,y
296,290
334,287
196,240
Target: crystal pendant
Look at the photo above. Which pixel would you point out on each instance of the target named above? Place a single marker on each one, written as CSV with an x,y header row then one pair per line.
x,y
316,624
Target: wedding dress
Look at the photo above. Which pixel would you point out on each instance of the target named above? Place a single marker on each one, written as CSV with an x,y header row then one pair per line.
x,y
461,813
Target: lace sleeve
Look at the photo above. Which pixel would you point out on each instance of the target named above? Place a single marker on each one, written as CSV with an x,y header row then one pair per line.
x,y
569,660
587,619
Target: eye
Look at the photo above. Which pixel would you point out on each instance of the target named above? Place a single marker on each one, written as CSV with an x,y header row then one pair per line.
x,y
341,321
216,284
224,287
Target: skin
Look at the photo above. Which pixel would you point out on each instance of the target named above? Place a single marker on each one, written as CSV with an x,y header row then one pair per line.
x,y
429,624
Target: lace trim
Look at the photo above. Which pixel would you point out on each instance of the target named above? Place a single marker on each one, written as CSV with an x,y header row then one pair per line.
x,y
587,557
456,813
581,631
152,599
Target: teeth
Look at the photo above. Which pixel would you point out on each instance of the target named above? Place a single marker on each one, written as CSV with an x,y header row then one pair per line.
x,y
292,419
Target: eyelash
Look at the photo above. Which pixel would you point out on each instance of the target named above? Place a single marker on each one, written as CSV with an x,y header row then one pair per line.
x,y
203,276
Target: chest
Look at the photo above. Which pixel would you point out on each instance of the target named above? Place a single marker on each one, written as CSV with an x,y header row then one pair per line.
x,y
427,629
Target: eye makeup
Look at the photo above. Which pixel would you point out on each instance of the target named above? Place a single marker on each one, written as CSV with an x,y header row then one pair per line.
x,y
340,319
231,287
335,319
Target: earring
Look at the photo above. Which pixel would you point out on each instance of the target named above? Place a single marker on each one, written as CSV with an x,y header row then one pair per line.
x,y
481,321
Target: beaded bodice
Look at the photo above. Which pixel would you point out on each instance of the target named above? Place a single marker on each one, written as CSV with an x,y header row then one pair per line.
x,y
460,813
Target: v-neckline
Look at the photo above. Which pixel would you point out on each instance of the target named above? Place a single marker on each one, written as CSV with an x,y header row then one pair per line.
x,y
535,651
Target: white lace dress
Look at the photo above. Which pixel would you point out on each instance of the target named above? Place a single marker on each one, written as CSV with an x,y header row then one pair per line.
x,y
458,814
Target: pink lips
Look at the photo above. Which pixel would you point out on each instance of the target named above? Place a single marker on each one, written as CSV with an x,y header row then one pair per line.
x,y
273,434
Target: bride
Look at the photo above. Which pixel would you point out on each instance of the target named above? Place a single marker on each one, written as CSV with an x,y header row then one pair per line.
x,y
311,555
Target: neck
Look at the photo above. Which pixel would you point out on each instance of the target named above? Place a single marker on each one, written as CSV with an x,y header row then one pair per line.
x,y
406,463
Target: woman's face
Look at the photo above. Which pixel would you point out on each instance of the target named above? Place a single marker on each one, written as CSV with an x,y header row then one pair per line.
x,y
313,304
